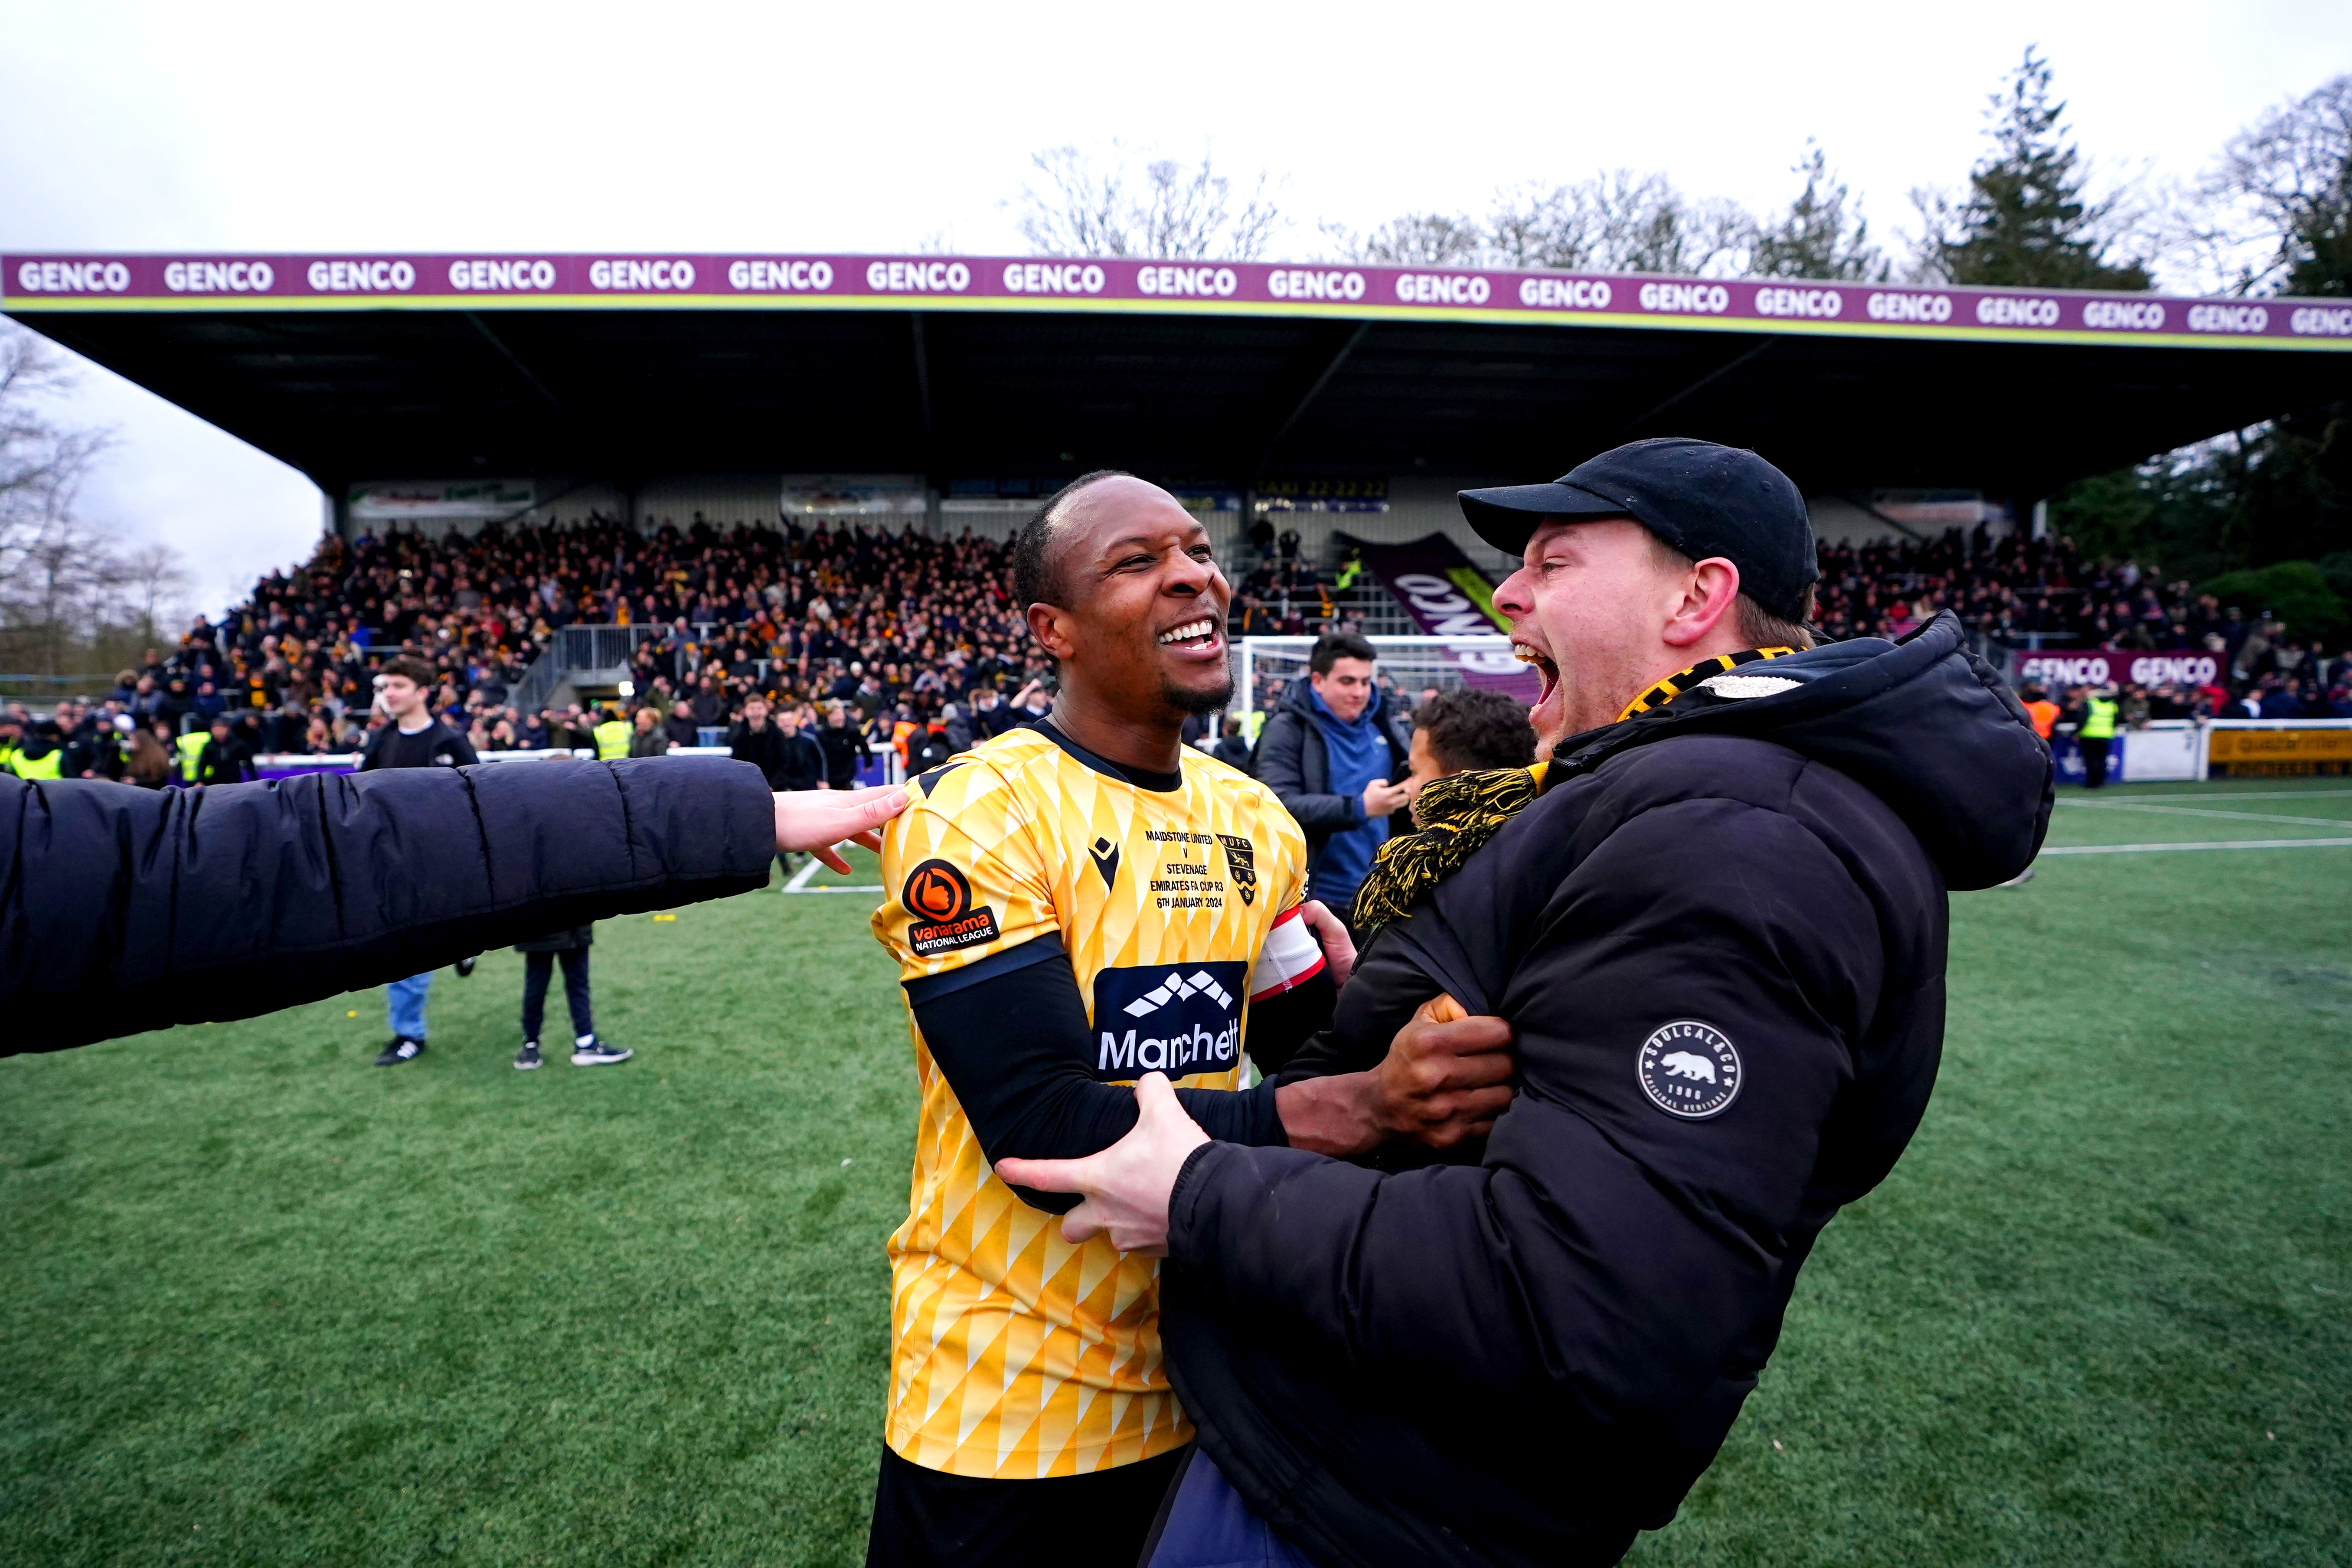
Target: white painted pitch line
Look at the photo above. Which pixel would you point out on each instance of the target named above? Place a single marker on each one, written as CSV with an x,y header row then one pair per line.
x,y
799,881
2225,844
836,888
2205,811
2239,794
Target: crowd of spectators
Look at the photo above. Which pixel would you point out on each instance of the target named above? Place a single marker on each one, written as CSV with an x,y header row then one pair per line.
x,y
2015,591
858,637
888,634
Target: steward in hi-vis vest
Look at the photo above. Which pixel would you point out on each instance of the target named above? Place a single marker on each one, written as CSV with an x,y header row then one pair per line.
x,y
612,737
40,757
2096,736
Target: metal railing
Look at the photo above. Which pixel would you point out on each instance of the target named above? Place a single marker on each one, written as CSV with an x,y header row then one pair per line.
x,y
600,652
1371,606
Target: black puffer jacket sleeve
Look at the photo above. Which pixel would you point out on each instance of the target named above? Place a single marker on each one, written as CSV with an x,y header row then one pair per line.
x,y
123,910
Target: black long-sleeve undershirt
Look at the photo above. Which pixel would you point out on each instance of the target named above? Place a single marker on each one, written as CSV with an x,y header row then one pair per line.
x,y
1013,1044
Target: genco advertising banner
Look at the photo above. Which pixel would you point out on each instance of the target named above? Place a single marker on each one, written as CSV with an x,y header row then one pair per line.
x,y
521,278
2059,669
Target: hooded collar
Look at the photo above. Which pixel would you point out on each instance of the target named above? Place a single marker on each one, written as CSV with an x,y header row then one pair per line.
x,y
1660,693
1921,723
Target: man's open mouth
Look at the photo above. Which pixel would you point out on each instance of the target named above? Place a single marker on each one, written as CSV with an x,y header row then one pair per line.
x,y
1545,667
1193,634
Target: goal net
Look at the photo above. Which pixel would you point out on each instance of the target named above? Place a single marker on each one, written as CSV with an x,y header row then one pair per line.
x,y
1415,665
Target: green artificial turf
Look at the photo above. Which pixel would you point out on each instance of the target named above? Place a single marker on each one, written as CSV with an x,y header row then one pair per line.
x,y
269,1305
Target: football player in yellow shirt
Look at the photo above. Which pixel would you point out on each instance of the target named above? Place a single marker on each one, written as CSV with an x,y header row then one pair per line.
x,y
1072,905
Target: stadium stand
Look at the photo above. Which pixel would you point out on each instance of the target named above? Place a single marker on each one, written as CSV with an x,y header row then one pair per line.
x,y
900,627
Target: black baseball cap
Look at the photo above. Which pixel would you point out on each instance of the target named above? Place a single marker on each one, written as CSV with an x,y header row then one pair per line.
x,y
1702,499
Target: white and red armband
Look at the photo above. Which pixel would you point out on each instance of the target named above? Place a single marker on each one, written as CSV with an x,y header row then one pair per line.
x,y
1290,957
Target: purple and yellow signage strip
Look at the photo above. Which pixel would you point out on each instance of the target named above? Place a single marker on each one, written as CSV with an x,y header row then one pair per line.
x,y
520,280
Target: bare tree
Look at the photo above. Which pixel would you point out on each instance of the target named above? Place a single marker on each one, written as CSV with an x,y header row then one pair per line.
x,y
2279,205
41,466
63,584
151,589
1416,240
1105,202
1619,221
66,585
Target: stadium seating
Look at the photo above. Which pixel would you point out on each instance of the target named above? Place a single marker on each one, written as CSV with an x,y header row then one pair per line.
x,y
899,625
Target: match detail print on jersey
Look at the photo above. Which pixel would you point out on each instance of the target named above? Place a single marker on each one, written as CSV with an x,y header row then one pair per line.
x,y
1014,1353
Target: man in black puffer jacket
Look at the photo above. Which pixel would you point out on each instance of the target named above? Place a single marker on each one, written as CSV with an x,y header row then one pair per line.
x,y
1714,924
124,910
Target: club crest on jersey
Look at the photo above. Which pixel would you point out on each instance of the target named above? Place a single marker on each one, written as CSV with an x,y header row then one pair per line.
x,y
938,897
1174,1018
1241,860
1688,1069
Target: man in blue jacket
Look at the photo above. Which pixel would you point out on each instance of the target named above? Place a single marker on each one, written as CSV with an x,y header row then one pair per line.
x,y
1328,754
1714,923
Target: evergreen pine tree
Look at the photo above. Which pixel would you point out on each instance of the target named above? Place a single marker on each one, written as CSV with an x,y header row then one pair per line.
x,y
1817,237
2024,222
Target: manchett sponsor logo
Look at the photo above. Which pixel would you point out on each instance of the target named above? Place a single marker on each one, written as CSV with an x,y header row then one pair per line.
x,y
1176,989
1176,1020
1195,1051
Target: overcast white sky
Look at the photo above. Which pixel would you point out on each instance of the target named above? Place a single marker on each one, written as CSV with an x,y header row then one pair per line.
x,y
782,127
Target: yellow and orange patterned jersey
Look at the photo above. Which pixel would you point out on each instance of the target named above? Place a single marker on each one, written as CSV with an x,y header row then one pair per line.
x,y
1015,1354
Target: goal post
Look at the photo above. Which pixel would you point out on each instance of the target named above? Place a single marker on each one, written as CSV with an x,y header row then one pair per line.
x,y
1416,664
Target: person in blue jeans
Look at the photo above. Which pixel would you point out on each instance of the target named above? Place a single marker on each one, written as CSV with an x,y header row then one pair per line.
x,y
404,1003
413,738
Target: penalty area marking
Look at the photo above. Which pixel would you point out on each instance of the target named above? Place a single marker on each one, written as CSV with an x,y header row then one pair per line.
x,y
2224,844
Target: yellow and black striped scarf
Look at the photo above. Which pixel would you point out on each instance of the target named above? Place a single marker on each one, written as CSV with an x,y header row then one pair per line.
x,y
1457,814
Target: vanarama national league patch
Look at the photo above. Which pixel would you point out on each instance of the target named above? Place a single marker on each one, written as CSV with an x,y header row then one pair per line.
x,y
940,897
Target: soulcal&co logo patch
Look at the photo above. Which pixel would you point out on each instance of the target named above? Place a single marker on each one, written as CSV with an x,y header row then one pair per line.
x,y
1688,1069
939,896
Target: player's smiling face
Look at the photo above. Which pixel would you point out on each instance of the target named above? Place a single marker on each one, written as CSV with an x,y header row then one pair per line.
x,y
1145,631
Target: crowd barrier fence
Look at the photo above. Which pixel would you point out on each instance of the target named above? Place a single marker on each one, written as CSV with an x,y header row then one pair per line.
x,y
882,766
2186,750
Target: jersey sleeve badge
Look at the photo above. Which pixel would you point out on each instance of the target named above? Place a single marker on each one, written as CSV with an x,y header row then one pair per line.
x,y
943,917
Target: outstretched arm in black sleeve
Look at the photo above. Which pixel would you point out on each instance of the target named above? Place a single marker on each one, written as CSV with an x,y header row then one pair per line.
x,y
123,910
